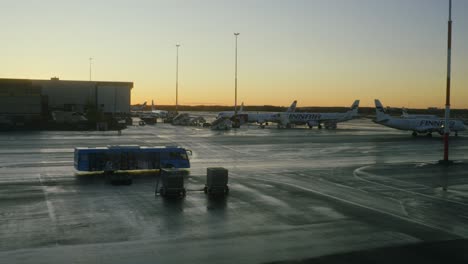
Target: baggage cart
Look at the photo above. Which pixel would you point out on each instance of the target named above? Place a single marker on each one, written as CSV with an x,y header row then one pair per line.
x,y
216,181
171,182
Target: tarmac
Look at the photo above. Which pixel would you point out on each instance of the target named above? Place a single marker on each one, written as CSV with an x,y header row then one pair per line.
x,y
295,194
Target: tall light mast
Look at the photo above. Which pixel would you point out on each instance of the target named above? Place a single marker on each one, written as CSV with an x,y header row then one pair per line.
x,y
90,63
177,77
235,79
447,100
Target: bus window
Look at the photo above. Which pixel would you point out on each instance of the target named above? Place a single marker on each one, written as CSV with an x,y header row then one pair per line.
x,y
174,155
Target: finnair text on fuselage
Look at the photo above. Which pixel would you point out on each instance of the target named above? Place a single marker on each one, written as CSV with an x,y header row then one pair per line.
x,y
435,123
304,117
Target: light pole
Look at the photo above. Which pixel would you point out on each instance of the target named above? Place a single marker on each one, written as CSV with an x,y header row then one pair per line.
x,y
236,121
177,78
235,80
447,99
90,63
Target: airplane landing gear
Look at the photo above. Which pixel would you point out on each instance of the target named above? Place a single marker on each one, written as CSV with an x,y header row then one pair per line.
x,y
414,134
456,134
429,134
319,126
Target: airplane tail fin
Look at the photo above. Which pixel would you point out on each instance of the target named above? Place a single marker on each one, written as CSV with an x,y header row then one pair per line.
x,y
404,112
152,105
292,108
355,107
380,111
241,109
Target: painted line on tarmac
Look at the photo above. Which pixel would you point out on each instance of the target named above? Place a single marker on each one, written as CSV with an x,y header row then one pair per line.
x,y
50,207
353,203
360,170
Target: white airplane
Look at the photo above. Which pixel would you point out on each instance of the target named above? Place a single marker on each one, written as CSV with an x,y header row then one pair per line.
x,y
263,118
417,125
137,108
159,113
330,120
406,115
230,114
260,118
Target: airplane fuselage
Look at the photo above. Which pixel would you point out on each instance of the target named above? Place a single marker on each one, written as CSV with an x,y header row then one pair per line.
x,y
422,125
261,117
295,118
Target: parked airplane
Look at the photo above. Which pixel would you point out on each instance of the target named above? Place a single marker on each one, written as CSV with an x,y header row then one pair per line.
x,y
159,113
230,114
150,117
259,117
330,120
138,107
406,115
263,118
417,125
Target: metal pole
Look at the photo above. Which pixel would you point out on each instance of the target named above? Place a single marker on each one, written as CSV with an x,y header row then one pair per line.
x,y
447,100
115,95
235,80
90,63
177,78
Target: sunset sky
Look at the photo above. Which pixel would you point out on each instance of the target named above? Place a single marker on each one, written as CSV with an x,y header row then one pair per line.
x,y
320,52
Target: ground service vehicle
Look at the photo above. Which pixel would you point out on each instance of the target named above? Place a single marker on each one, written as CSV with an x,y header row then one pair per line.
x,y
171,183
124,158
216,181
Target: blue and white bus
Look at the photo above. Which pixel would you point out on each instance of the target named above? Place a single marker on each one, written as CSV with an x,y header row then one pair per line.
x,y
113,158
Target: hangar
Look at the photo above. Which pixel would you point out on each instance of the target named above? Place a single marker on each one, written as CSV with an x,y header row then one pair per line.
x,y
36,97
31,103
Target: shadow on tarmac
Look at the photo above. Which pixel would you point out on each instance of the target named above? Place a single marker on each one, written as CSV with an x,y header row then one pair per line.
x,y
100,178
452,251
216,203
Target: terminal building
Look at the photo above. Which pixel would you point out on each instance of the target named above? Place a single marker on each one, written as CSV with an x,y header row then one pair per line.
x,y
25,99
